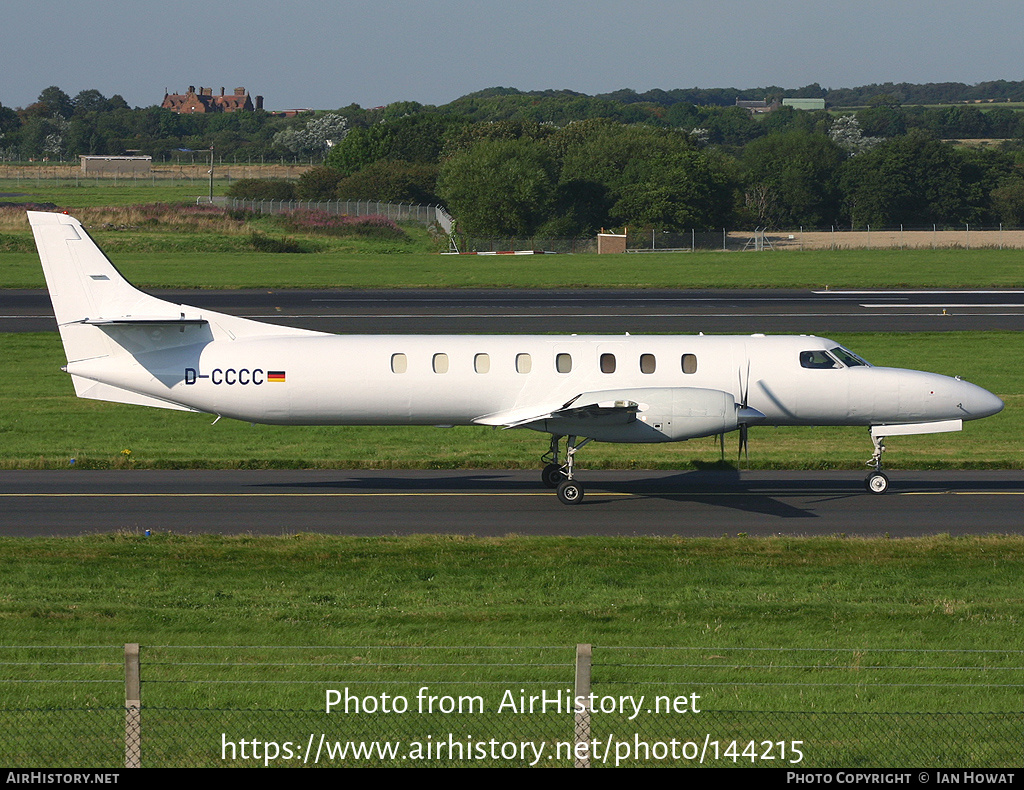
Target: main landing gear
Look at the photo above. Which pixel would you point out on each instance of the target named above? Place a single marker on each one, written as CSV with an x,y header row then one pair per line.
x,y
876,482
560,476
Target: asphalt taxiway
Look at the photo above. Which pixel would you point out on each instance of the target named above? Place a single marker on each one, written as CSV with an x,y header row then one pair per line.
x,y
495,503
584,311
502,502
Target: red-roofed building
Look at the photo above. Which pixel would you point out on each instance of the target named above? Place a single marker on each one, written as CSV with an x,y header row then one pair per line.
x,y
204,100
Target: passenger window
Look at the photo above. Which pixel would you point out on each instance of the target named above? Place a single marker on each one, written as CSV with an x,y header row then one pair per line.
x,y
524,364
563,363
482,363
607,363
647,363
817,360
399,363
689,363
440,363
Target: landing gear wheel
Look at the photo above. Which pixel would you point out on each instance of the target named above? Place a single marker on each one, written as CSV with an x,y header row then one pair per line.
x,y
570,492
876,483
552,475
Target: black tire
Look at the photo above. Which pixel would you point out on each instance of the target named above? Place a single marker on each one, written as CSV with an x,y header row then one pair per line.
x,y
570,492
876,483
552,475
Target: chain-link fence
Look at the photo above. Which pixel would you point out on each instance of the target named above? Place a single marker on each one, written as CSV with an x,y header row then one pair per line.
x,y
510,706
761,239
398,212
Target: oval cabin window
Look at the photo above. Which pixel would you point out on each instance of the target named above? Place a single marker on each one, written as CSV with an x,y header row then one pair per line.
x,y
399,363
440,363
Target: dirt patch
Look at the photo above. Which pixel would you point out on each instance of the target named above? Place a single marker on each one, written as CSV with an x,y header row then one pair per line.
x,y
884,239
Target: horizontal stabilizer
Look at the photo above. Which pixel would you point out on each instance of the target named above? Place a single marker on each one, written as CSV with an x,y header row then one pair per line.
x,y
154,321
96,390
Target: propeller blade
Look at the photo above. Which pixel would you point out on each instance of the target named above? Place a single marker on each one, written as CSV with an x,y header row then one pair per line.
x,y
743,448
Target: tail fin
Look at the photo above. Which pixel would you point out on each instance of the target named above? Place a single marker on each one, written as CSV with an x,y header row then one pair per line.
x,y
89,294
85,287
83,283
107,325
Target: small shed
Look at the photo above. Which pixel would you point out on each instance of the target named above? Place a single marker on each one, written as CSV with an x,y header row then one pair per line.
x,y
116,165
611,242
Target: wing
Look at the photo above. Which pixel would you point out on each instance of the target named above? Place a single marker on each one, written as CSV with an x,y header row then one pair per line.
x,y
648,414
585,406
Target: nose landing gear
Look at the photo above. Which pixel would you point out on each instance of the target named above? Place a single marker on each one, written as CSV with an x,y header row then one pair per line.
x,y
876,482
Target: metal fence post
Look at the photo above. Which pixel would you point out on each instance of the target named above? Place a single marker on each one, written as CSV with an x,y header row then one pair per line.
x,y
583,659
132,707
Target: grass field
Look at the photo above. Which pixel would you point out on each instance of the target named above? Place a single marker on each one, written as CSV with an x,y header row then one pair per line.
x,y
43,425
181,596
72,193
830,594
182,247
219,262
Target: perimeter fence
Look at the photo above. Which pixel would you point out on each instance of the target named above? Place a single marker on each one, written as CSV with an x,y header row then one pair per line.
x,y
583,706
762,239
398,212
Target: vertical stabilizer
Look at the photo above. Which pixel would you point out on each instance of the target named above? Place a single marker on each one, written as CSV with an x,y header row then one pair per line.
x,y
83,283
85,286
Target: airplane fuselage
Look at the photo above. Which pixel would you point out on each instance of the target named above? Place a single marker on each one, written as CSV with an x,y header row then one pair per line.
x,y
463,379
126,346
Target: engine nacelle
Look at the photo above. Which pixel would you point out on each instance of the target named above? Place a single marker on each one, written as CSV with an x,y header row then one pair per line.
x,y
649,414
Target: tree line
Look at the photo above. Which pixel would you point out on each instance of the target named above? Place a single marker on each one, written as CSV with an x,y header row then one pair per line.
x,y
812,169
558,163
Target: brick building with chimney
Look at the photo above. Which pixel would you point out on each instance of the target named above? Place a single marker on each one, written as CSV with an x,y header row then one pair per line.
x,y
204,100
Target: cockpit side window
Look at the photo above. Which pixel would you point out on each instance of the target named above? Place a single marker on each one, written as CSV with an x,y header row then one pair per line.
x,y
848,358
818,360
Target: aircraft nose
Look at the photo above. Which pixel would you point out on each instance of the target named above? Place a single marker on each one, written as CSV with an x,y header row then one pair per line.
x,y
976,402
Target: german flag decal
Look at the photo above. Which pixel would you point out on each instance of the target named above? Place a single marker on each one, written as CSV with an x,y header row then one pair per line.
x,y
275,375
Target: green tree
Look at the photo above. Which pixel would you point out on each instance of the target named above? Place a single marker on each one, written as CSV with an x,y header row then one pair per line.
x,y
499,187
9,120
318,183
651,176
392,180
262,189
1008,202
89,101
57,102
411,138
883,117
793,179
912,180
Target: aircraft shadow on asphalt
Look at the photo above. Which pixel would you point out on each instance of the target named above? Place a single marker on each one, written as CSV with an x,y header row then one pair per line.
x,y
724,489
764,493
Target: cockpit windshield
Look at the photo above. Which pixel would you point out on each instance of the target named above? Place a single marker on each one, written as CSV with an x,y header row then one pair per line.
x,y
831,360
848,358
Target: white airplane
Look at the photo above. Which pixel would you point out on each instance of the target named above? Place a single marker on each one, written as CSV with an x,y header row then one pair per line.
x,y
126,346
